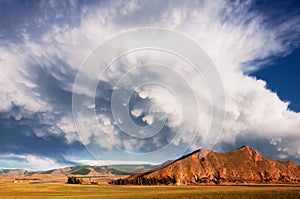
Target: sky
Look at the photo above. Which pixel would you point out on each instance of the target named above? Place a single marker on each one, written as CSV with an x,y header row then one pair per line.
x,y
149,105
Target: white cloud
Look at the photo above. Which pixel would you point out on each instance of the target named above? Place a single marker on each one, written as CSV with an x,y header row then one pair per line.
x,y
130,7
112,162
16,88
230,34
148,119
66,125
165,104
143,95
29,162
137,112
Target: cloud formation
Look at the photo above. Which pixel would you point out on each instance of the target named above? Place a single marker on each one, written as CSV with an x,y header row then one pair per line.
x,y
38,70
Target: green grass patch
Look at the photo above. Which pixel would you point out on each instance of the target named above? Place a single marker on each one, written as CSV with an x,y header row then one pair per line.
x,y
48,172
81,171
6,170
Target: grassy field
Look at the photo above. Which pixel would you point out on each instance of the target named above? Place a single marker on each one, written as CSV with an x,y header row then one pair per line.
x,y
10,190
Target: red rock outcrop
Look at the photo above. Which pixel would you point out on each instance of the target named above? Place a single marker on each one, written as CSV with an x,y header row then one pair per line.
x,y
244,165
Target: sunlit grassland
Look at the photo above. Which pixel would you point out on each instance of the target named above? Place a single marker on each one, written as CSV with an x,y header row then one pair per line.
x,y
10,190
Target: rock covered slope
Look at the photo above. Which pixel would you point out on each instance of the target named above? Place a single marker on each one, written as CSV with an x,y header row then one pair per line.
x,y
244,165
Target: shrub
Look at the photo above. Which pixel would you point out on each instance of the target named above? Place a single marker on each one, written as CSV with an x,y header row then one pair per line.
x,y
145,181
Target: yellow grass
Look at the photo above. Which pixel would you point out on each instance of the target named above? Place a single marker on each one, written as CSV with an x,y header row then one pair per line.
x,y
18,190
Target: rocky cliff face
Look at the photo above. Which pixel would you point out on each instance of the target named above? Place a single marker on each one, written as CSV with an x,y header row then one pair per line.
x,y
244,165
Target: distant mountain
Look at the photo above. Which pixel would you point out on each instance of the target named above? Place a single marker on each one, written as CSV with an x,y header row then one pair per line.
x,y
86,170
244,165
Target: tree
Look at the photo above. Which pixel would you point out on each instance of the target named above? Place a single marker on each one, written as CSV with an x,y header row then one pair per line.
x,y
74,180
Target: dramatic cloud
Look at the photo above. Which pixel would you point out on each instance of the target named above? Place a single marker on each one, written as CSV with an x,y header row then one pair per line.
x,y
40,58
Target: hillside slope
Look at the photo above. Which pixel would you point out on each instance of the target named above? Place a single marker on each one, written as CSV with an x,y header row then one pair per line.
x,y
244,165
86,170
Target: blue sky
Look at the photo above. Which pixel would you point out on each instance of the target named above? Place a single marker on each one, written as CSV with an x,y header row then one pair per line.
x,y
254,46
283,77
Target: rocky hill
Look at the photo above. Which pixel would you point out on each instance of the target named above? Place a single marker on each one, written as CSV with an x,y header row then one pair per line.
x,y
244,165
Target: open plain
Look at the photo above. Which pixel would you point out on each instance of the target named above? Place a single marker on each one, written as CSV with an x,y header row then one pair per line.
x,y
60,190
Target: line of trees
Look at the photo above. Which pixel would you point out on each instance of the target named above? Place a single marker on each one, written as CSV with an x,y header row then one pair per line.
x,y
74,180
145,181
